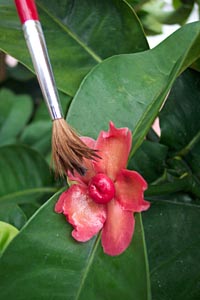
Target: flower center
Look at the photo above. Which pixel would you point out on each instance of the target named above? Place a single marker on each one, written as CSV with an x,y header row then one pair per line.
x,y
101,189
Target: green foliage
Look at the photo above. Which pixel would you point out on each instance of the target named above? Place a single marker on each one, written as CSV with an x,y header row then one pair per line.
x,y
7,233
75,49
15,113
172,235
12,213
154,155
116,86
24,179
64,269
179,119
172,222
178,148
180,131
153,13
100,57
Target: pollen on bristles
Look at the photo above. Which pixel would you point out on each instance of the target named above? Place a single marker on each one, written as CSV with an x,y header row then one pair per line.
x,y
68,150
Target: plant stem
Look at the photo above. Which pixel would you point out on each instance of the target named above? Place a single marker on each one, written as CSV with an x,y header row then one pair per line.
x,y
187,184
167,188
191,144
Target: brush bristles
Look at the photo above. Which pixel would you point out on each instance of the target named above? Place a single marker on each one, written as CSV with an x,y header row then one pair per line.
x,y
68,150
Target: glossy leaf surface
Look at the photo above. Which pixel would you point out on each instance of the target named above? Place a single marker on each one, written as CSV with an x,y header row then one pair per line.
x,y
11,213
14,114
173,241
149,160
38,136
43,261
180,124
46,260
7,233
24,175
172,224
129,89
179,118
75,49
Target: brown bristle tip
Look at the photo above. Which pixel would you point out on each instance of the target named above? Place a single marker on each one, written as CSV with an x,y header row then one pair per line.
x,y
68,150
80,169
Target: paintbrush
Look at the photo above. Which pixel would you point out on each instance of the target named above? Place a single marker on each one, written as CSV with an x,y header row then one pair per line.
x,y
68,151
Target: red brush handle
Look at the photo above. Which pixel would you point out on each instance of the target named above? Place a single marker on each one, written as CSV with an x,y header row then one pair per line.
x,y
26,10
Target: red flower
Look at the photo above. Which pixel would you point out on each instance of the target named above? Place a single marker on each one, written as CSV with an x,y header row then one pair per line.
x,y
106,197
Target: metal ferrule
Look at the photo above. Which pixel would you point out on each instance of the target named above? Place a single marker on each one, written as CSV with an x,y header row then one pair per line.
x,y
38,51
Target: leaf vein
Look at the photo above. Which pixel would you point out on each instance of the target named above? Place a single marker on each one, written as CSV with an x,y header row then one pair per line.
x,y
72,35
88,264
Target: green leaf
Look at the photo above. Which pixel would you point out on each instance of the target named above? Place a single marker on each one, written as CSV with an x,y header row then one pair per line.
x,y
193,160
24,175
38,133
12,214
19,73
180,128
173,242
179,15
130,89
137,4
7,233
15,112
149,160
149,15
151,25
196,65
42,113
38,136
173,245
179,118
45,260
75,49
29,208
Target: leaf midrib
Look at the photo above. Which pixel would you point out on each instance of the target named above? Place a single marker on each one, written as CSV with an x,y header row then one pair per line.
x,y
71,34
91,258
88,265
164,92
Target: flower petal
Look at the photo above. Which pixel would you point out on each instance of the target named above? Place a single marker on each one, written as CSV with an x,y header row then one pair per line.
x,y
88,164
114,147
86,216
130,187
88,141
60,202
118,229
